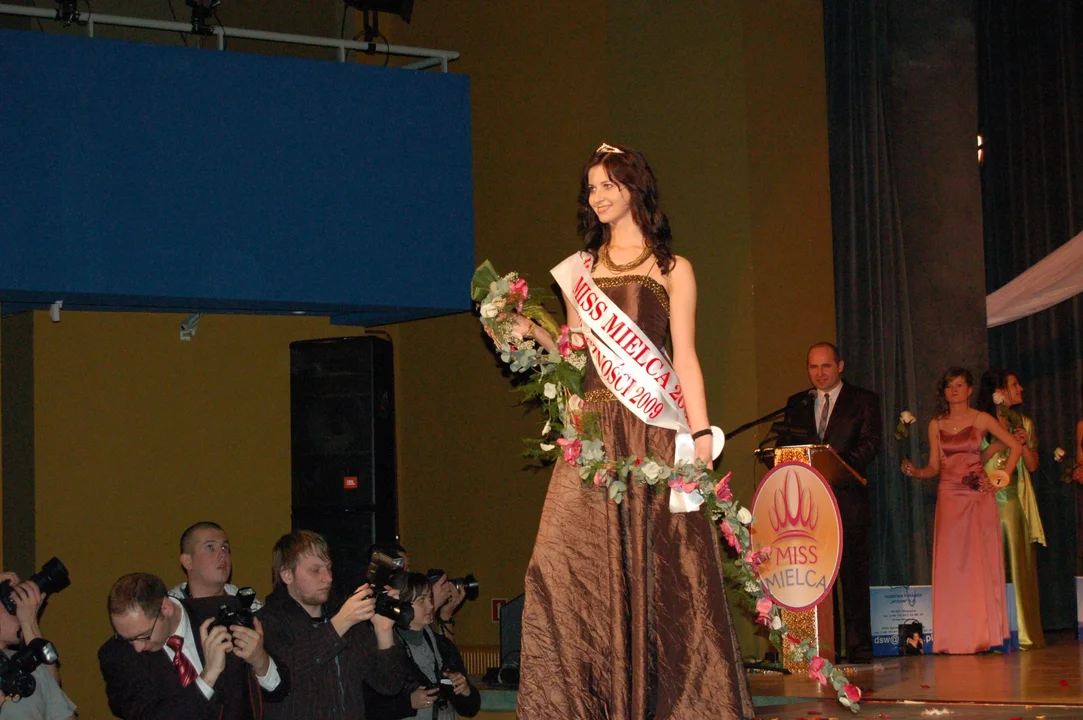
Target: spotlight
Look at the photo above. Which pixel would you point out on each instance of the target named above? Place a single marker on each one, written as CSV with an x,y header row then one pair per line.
x,y
371,10
67,11
202,12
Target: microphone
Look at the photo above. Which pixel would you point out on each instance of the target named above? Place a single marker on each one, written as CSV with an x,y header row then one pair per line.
x,y
810,395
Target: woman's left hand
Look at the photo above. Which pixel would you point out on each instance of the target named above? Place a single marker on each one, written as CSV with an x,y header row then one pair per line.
x,y
458,680
1021,436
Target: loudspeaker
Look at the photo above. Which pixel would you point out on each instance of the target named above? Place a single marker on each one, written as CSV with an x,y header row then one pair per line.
x,y
511,631
342,429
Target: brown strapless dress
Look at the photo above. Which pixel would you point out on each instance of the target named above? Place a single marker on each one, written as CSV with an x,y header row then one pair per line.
x,y
626,615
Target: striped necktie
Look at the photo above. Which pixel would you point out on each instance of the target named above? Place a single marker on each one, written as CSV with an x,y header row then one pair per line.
x,y
824,412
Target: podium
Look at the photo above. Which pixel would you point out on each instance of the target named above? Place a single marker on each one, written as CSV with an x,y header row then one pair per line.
x,y
817,623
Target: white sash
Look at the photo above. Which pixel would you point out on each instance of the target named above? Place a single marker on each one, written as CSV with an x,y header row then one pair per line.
x,y
631,367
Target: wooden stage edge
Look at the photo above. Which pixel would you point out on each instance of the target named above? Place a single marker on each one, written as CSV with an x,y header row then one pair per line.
x,y
1045,683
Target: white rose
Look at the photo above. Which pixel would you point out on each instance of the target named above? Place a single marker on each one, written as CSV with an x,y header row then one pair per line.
x,y
651,469
550,390
907,417
776,622
1059,454
545,430
489,311
546,447
744,516
998,398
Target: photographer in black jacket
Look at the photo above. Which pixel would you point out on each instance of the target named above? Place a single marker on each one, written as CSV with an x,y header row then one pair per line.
x,y
436,685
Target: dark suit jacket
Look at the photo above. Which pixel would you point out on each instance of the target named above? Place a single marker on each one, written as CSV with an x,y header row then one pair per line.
x,y
145,686
854,432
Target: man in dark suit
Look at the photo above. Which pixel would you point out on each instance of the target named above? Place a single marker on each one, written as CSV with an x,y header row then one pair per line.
x,y
847,418
166,661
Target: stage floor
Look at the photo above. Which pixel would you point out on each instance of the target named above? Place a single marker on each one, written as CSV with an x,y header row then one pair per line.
x,y
1046,683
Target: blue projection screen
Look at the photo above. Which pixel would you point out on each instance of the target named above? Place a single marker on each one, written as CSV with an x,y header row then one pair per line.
x,y
137,176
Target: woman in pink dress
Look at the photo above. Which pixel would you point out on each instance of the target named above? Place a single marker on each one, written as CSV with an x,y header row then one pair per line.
x,y
970,611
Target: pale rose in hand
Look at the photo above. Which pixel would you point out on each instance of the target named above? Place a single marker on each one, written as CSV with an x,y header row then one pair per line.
x,y
998,398
907,418
1059,454
489,311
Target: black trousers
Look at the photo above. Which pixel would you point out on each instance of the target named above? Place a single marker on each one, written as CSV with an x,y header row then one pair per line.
x,y
853,630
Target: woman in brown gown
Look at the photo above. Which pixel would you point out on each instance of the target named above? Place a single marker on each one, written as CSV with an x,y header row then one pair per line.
x,y
626,615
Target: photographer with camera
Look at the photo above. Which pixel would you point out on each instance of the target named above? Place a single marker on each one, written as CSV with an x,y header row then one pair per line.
x,y
207,560
436,686
332,647
448,597
172,659
42,698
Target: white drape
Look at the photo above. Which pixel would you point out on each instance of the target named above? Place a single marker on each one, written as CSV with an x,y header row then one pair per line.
x,y
1055,278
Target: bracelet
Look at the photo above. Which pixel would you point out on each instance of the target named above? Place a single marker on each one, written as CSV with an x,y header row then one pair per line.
x,y
700,433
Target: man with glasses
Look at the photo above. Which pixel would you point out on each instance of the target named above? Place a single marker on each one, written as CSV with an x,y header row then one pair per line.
x,y
48,701
166,659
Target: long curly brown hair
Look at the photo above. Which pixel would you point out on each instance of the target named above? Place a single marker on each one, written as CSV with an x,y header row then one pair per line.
x,y
629,169
950,374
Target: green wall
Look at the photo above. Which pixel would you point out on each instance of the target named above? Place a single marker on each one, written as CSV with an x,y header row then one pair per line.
x,y
137,434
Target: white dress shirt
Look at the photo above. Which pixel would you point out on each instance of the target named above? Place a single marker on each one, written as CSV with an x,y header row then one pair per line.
x,y
191,651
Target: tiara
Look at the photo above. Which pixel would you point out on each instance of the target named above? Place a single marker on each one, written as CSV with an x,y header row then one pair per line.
x,y
607,148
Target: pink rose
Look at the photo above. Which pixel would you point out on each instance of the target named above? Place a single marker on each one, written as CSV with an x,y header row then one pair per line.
x,y
763,609
815,670
757,558
520,288
729,534
601,478
853,692
722,490
575,404
563,343
577,341
680,482
572,448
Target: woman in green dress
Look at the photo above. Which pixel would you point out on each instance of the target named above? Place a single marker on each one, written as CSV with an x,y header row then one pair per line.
x,y
1019,520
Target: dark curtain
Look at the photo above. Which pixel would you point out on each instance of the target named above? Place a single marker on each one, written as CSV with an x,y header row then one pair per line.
x,y
1032,190
872,298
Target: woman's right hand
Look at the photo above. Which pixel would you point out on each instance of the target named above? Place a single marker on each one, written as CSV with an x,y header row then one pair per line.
x,y
423,697
523,326
908,468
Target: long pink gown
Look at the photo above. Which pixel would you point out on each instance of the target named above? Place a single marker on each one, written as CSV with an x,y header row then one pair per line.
x,y
969,606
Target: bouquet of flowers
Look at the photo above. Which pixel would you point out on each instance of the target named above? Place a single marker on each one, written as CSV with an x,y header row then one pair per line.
x,y
554,380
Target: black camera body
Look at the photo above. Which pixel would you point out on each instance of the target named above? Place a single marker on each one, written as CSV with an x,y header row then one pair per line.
x,y
381,568
52,578
243,615
468,584
16,672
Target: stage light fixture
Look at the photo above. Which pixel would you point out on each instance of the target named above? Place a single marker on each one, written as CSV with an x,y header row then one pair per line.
x,y
202,12
67,11
371,9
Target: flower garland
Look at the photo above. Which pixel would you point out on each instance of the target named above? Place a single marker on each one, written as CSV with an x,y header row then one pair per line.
x,y
555,381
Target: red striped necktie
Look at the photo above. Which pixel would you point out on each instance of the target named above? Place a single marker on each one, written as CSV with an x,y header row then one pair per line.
x,y
185,670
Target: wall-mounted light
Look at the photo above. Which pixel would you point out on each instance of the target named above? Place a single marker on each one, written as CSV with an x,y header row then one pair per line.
x,y
981,150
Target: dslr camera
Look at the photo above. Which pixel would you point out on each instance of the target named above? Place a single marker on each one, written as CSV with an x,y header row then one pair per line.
x,y
381,568
242,615
52,578
468,584
16,672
